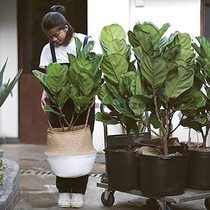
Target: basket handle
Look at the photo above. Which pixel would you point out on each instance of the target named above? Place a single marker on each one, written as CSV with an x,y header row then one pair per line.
x,y
88,114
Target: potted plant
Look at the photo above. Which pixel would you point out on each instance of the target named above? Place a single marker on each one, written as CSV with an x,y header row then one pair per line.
x,y
71,145
5,90
198,119
166,66
119,74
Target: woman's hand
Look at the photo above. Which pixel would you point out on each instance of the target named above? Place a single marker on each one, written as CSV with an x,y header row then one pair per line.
x,y
44,99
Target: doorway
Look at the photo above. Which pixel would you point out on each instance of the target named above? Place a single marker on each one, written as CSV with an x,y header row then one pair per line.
x,y
205,18
31,39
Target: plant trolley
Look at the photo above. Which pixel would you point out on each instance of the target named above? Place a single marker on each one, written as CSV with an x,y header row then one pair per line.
x,y
160,203
152,203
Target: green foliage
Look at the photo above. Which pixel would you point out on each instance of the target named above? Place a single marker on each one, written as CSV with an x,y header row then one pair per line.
x,y
6,88
111,38
119,74
55,83
199,118
167,69
79,81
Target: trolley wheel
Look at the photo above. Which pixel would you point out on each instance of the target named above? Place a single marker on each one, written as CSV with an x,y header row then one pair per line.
x,y
207,203
168,206
152,204
165,205
107,198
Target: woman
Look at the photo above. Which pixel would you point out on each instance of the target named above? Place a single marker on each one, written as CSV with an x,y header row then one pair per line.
x,y
62,35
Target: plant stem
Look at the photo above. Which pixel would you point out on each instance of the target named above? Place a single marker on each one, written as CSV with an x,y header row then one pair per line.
x,y
64,119
46,114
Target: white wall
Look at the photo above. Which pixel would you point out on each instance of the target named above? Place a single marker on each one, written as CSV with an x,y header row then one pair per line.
x,y
183,15
8,49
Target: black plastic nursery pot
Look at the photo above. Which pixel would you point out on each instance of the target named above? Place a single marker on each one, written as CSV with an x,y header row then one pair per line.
x,y
198,172
122,168
163,176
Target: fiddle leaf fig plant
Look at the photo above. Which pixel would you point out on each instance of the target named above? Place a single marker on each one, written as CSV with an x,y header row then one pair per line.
x,y
119,75
166,67
79,81
6,88
199,118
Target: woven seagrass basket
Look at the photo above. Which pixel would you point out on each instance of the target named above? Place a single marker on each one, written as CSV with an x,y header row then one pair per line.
x,y
77,141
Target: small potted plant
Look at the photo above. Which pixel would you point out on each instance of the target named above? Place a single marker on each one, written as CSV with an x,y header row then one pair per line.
x,y
198,119
70,145
5,90
166,66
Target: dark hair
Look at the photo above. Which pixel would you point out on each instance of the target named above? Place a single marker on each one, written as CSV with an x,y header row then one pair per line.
x,y
56,18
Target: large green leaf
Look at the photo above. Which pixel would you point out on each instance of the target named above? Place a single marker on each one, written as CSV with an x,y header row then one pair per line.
x,y
109,33
125,83
141,47
154,70
113,66
55,83
81,76
86,83
106,118
107,100
137,106
137,87
178,82
119,46
61,97
96,62
203,49
194,122
42,77
57,77
80,65
48,108
121,106
154,33
146,38
114,89
200,100
103,92
182,39
87,50
81,103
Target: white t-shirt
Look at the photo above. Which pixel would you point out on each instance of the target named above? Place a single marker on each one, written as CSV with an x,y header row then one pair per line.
x,y
60,52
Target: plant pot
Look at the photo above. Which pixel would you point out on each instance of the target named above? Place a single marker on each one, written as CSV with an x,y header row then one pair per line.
x,y
163,176
71,166
198,172
70,153
122,168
